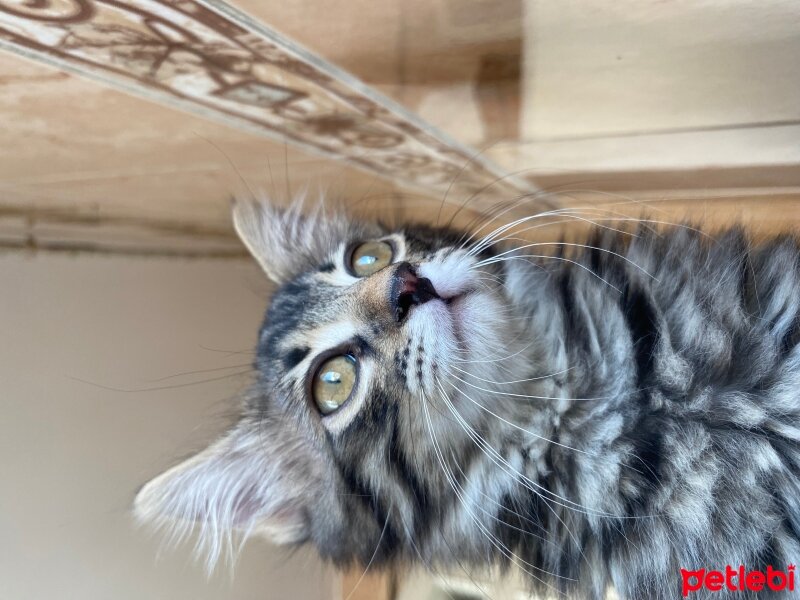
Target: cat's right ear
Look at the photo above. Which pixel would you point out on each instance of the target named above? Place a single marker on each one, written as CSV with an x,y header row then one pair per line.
x,y
285,241
251,481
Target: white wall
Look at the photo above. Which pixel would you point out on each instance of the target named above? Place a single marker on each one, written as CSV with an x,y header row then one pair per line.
x,y
72,454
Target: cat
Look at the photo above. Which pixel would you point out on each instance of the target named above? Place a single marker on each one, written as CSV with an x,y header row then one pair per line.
x,y
622,414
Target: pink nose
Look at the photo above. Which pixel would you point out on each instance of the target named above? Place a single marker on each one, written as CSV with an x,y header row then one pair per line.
x,y
408,290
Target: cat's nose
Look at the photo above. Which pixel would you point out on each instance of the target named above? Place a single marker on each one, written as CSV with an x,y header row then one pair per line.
x,y
407,290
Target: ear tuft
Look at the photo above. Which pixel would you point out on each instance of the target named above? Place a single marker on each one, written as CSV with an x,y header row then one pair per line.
x,y
229,487
285,241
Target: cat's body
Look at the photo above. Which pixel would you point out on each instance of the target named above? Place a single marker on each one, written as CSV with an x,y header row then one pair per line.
x,y
689,455
601,419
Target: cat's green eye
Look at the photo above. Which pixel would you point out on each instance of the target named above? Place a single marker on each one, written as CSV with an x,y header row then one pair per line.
x,y
370,257
333,383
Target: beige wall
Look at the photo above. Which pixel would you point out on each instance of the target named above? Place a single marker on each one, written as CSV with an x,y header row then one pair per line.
x,y
72,454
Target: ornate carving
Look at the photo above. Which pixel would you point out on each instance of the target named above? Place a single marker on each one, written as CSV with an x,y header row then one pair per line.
x,y
49,11
205,54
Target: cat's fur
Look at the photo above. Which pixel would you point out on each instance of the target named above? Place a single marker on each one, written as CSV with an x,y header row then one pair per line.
x,y
599,420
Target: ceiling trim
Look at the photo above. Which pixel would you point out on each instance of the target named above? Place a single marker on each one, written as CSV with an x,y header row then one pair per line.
x,y
213,60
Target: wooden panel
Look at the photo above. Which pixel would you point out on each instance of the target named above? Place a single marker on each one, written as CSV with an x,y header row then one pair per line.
x,y
632,67
68,144
358,585
631,86
760,147
211,59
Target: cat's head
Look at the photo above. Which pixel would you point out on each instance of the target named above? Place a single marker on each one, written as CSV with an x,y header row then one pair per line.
x,y
375,365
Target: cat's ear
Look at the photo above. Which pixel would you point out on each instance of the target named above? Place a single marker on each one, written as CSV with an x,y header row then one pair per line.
x,y
286,241
234,484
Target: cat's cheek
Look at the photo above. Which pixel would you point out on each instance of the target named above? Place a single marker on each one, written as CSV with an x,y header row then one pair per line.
x,y
450,275
477,320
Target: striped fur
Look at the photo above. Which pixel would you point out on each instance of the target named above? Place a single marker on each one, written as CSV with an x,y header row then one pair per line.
x,y
600,418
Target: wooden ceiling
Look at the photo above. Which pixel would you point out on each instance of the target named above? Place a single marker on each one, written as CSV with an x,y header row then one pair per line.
x,y
541,88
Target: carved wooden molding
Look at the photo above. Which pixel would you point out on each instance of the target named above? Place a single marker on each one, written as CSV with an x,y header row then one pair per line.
x,y
209,58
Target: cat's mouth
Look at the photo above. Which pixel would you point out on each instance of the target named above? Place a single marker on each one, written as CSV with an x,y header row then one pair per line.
x,y
452,307
436,339
450,317
451,321
455,308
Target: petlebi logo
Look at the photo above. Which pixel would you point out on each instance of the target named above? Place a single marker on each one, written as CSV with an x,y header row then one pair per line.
x,y
738,579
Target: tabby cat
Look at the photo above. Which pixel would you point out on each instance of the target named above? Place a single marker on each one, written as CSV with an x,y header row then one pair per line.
x,y
621,414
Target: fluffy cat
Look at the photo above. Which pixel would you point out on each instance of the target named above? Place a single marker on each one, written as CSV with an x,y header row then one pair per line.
x,y
599,418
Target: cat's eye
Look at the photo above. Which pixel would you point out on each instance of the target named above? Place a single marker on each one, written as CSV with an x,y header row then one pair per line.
x,y
370,257
333,382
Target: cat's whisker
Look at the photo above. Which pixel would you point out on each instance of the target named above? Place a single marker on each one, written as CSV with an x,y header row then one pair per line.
x,y
161,387
197,371
490,452
524,257
442,465
497,363
597,223
471,160
500,359
426,563
374,554
539,489
502,255
502,507
502,208
514,425
486,217
497,211
572,214
539,378
483,217
479,246
507,553
227,352
512,237
531,397
571,218
230,161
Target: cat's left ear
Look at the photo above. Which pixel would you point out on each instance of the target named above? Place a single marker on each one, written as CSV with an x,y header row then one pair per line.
x,y
286,241
236,483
